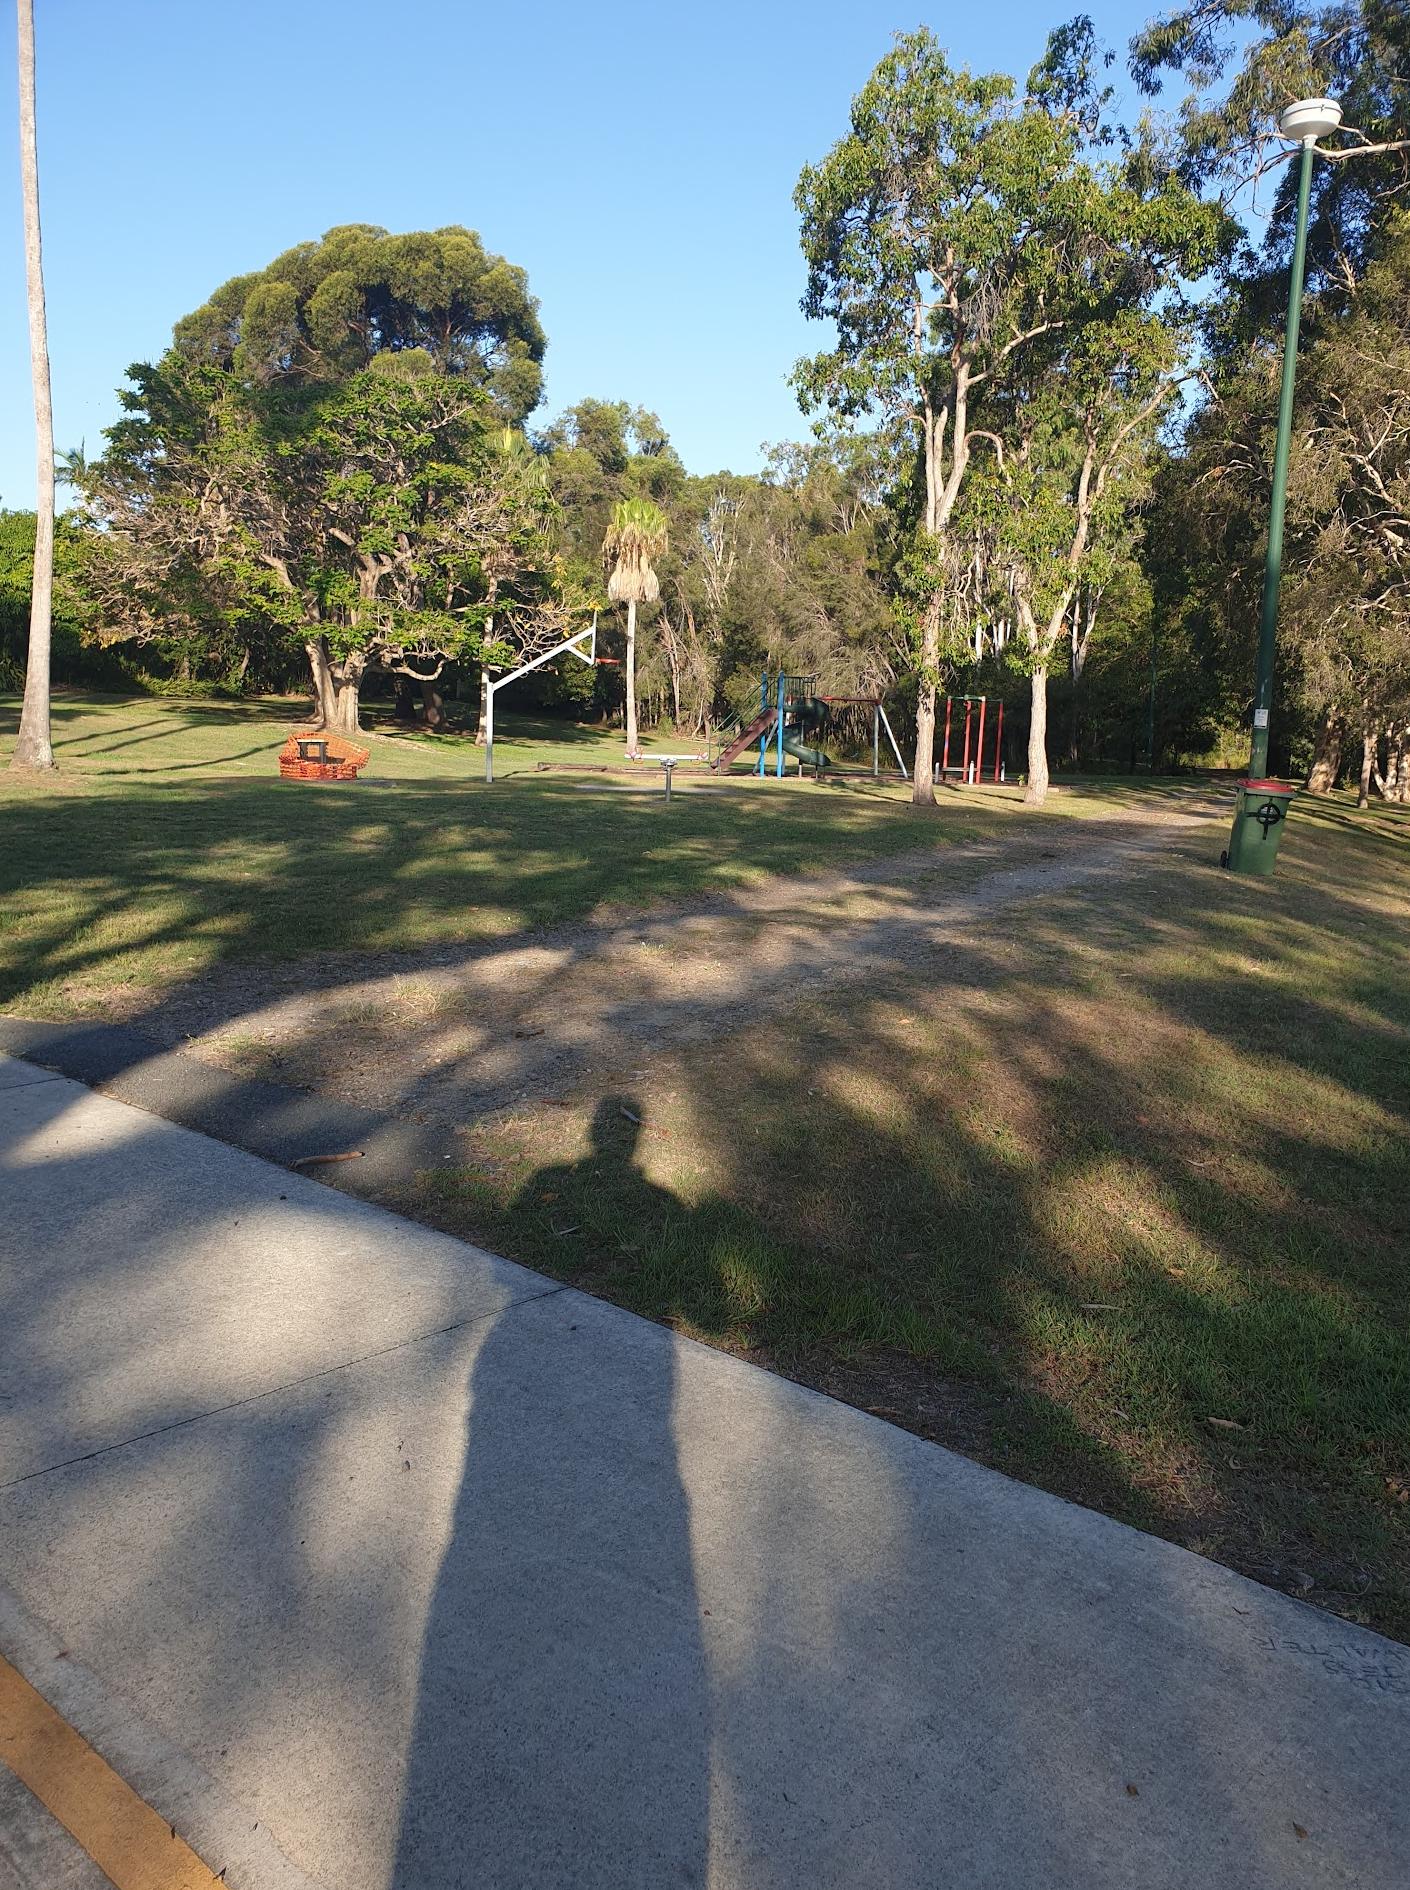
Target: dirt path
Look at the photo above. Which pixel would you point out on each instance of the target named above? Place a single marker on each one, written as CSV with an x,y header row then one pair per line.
x,y
458,1035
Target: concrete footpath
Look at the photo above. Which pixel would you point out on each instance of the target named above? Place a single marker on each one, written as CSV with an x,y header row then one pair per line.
x,y
370,1560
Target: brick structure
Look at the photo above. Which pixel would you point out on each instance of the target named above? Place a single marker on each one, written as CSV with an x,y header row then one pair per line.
x,y
312,754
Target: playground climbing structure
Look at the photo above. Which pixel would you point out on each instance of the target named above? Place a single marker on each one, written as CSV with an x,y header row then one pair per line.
x,y
790,718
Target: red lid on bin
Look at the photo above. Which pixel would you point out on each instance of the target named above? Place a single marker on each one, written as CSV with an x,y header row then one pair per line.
x,y
1269,787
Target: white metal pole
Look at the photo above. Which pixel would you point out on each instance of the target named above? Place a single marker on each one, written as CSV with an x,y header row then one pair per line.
x,y
489,730
886,724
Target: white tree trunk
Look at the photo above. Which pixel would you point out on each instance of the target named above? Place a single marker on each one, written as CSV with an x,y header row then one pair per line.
x,y
1368,765
34,747
923,775
1037,790
632,744
1396,784
1084,623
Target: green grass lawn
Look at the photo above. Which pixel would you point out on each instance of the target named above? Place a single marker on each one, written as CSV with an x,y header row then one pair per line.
x,y
1119,1202
168,843
160,738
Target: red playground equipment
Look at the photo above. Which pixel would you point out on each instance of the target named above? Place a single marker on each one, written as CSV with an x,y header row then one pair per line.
x,y
969,771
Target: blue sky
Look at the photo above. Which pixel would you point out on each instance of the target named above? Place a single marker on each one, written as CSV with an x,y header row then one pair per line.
x,y
637,160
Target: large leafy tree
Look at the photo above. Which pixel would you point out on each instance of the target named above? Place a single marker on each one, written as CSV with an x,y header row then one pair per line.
x,y
33,747
325,453
1347,610
18,534
1082,413
375,523
1239,62
932,246
772,571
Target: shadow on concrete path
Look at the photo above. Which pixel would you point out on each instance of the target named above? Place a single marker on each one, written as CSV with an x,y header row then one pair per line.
x,y
561,1734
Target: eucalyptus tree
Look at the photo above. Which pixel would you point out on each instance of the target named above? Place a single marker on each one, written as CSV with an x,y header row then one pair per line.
x,y
1241,62
34,747
778,571
637,535
1348,601
949,237
1083,409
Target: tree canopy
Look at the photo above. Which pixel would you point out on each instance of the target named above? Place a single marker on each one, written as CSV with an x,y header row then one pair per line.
x,y
326,309
1344,644
1240,63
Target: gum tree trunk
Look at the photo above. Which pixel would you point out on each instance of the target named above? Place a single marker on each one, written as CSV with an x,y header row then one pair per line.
x,y
1395,785
923,777
933,427
34,747
1037,790
1326,754
942,490
1083,627
1368,766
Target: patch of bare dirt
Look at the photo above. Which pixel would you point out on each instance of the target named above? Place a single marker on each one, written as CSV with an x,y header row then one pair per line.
x,y
457,1034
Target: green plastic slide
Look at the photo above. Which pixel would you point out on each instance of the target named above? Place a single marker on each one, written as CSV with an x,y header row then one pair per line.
x,y
811,757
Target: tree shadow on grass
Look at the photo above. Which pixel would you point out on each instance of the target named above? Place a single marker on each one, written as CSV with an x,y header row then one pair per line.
x,y
1142,1209
1194,1311
999,1224
244,869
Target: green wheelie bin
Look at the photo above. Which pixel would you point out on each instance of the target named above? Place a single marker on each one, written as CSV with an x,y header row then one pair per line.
x,y
1258,826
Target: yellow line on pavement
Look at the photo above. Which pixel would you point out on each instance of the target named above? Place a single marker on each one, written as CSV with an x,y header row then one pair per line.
x,y
129,1842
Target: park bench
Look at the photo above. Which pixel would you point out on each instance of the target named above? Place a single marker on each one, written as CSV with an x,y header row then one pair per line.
x,y
316,755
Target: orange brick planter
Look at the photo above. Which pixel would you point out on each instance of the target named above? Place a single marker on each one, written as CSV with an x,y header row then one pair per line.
x,y
310,755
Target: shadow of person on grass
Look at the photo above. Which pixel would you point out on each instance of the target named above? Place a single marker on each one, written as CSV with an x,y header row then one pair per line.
x,y
568,1198
561,1729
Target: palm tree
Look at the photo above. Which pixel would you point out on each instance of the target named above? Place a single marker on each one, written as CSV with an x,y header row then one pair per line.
x,y
636,535
34,748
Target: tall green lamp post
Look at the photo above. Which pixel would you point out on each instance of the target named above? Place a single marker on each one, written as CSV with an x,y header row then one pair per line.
x,y
1263,805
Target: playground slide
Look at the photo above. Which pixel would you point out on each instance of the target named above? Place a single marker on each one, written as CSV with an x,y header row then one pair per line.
x,y
810,757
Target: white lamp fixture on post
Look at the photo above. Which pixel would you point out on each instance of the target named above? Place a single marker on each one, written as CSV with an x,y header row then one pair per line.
x,y
1310,118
